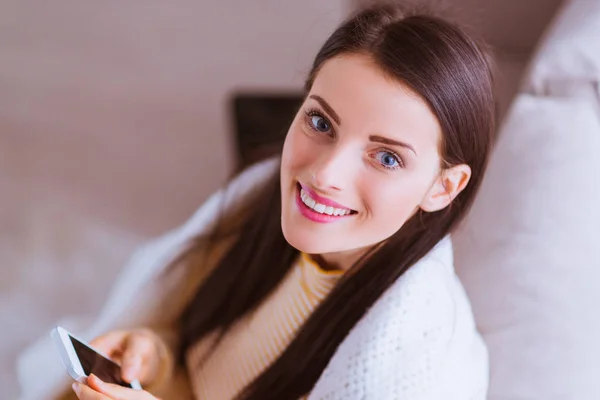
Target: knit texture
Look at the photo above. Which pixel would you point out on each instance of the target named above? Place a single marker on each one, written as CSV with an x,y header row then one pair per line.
x,y
417,342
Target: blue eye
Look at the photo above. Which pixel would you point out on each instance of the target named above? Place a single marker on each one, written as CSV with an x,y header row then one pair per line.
x,y
318,122
388,159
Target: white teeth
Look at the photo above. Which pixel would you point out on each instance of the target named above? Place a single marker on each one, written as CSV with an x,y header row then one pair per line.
x,y
307,200
321,208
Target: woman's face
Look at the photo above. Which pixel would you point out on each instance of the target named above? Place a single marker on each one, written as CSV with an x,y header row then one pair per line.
x,y
360,158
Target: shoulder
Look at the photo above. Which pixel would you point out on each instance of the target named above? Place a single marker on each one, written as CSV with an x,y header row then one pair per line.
x,y
431,304
428,297
419,340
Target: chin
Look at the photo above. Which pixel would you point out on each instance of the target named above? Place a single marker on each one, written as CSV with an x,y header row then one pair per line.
x,y
305,241
298,240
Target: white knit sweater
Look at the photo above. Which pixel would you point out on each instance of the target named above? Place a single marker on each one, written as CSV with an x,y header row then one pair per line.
x,y
417,342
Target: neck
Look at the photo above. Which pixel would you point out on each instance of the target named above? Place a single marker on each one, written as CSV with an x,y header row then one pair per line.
x,y
339,261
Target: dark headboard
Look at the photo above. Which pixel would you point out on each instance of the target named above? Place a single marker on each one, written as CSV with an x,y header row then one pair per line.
x,y
261,121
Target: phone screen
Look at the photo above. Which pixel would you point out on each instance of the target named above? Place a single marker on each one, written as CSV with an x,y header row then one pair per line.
x,y
94,363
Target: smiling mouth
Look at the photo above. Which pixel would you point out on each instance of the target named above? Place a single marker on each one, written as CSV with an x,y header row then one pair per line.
x,y
315,206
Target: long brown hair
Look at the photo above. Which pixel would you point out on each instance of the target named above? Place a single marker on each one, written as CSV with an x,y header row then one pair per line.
x,y
452,73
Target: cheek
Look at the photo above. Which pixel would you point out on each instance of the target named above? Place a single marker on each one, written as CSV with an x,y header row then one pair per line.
x,y
296,150
391,205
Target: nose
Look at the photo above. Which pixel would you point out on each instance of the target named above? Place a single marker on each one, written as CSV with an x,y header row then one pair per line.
x,y
333,169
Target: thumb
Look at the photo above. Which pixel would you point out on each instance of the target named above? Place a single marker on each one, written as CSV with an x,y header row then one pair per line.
x,y
110,344
116,391
139,349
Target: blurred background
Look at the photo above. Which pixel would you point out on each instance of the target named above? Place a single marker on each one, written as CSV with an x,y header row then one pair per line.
x,y
117,119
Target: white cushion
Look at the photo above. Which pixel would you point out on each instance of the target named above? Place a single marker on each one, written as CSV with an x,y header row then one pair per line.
x,y
569,54
528,251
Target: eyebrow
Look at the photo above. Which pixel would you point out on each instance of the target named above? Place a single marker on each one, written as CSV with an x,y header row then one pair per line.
x,y
384,140
327,108
372,138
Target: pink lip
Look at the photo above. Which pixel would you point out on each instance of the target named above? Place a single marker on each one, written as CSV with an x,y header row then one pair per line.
x,y
323,200
315,216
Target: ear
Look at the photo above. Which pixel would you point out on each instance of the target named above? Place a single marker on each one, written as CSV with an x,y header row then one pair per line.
x,y
446,187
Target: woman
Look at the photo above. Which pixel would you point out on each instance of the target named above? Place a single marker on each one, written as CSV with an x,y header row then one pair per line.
x,y
337,277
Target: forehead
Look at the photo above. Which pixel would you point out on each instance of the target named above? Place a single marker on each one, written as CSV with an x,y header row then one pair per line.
x,y
371,102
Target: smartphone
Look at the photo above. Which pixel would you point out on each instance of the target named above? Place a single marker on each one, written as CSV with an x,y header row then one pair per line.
x,y
81,360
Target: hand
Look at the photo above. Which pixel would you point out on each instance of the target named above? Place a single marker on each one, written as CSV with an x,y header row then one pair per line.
x,y
137,351
98,390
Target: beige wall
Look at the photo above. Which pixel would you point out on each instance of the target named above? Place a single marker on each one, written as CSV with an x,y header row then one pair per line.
x,y
121,106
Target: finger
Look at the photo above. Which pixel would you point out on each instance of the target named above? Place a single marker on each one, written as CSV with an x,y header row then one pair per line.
x,y
137,349
84,392
110,343
116,391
